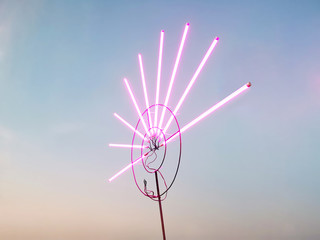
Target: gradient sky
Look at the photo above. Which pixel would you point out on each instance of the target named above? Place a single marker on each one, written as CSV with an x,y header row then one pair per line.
x,y
249,171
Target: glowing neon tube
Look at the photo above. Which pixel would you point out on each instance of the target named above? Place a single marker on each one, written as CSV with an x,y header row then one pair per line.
x,y
158,77
128,125
127,167
193,122
192,81
127,146
145,89
136,106
174,72
210,110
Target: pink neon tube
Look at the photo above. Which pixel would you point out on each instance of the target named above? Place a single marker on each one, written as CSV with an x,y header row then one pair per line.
x,y
128,125
211,110
174,71
136,106
145,89
127,146
192,81
158,77
193,122
127,167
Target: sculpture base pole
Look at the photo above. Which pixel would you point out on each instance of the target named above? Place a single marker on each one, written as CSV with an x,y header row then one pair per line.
x,y
160,206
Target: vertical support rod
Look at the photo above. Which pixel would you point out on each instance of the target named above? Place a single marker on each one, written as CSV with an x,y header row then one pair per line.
x,y
160,206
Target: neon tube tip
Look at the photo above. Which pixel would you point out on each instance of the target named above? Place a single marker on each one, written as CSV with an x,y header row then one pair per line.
x,y
217,38
249,84
162,30
188,24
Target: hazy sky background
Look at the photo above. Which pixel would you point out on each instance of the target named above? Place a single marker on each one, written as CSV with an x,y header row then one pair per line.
x,y
249,171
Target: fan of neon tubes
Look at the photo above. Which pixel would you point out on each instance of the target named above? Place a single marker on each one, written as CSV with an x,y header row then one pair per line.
x,y
157,128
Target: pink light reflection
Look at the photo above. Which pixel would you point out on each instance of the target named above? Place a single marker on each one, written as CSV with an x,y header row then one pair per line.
x,y
128,125
210,110
158,77
136,106
192,81
144,89
174,72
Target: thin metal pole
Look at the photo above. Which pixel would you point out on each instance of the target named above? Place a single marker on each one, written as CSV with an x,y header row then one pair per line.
x,y
160,206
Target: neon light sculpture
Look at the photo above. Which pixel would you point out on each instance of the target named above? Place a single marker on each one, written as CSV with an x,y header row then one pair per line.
x,y
149,147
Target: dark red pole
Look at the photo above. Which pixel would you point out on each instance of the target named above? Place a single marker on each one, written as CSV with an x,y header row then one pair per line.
x,y
160,206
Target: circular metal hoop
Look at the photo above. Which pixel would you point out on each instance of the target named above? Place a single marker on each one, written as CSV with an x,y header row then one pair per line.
x,y
147,169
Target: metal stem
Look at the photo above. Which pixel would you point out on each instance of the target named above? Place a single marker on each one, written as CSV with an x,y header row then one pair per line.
x,y
160,206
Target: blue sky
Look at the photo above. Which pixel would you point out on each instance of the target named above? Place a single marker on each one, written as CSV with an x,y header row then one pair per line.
x,y
249,171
